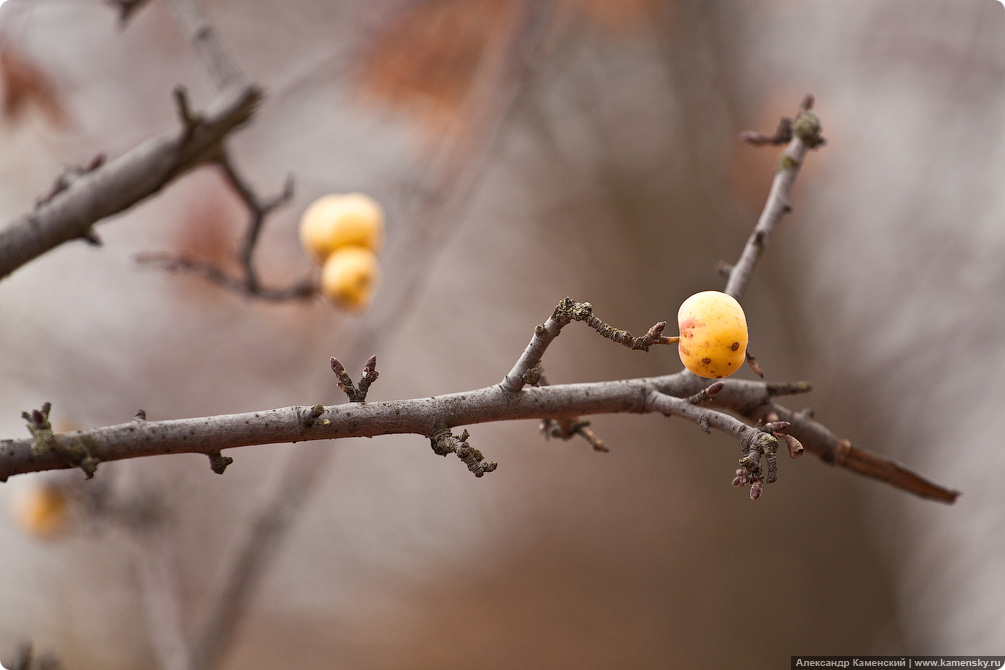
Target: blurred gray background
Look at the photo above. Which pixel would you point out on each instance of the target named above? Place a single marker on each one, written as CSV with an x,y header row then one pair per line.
x,y
618,178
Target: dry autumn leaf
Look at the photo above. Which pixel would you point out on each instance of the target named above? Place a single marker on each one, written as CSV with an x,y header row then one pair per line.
x,y
620,17
425,60
25,84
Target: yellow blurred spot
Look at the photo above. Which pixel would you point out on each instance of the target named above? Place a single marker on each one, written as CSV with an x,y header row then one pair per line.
x,y
335,221
349,278
42,511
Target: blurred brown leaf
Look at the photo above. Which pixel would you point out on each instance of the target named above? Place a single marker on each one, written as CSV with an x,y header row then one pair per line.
x,y
25,84
425,60
621,16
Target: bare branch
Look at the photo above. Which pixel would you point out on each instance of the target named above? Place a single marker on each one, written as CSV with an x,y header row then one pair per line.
x,y
248,285
804,432
788,388
302,290
567,311
424,416
243,567
258,210
226,75
755,442
583,428
831,449
126,9
427,416
755,401
531,357
782,134
114,187
566,429
653,336
706,394
158,576
218,62
754,365
806,136
44,442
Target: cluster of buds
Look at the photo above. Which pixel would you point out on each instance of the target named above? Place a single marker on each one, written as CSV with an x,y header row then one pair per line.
x,y
764,443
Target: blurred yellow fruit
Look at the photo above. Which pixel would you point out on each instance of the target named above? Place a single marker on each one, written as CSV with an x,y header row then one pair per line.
x,y
713,334
349,278
335,221
42,511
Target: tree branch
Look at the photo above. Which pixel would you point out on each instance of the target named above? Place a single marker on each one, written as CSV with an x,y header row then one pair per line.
x,y
424,416
214,55
568,310
805,135
756,401
158,577
126,9
110,188
247,561
428,416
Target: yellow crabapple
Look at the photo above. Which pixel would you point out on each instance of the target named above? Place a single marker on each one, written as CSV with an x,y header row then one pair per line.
x,y
335,221
42,511
349,277
713,334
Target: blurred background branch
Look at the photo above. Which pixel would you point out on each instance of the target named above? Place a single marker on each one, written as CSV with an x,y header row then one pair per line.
x,y
522,151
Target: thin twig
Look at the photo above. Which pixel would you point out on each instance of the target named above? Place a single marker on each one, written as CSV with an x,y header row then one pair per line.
x,y
745,398
567,311
116,186
566,429
531,357
226,75
127,8
819,440
214,55
243,567
806,136
258,210
158,576
301,290
248,285
782,134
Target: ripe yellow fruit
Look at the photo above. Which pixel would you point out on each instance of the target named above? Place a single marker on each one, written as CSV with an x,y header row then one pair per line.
x,y
349,278
335,221
42,511
713,334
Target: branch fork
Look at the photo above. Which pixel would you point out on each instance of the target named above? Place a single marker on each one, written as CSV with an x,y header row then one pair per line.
x,y
560,407
345,383
45,443
566,312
